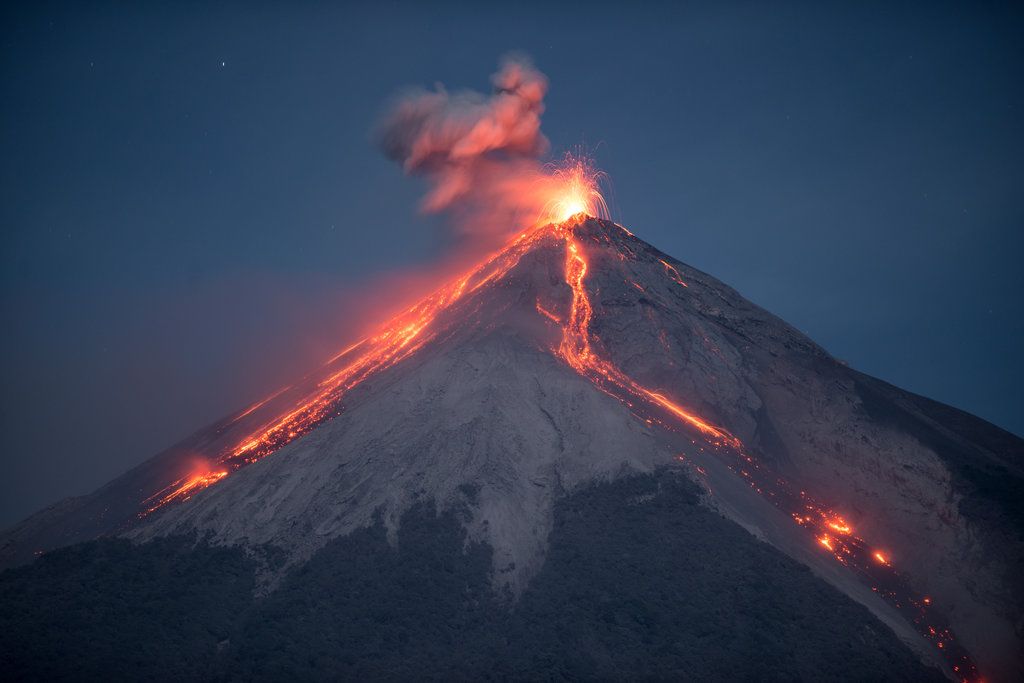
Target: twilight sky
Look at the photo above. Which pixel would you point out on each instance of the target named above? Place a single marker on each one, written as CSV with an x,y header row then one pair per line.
x,y
189,196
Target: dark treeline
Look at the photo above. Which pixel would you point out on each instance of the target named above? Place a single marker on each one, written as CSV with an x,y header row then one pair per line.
x,y
640,582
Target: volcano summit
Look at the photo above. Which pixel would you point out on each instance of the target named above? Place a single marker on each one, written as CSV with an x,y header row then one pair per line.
x,y
580,457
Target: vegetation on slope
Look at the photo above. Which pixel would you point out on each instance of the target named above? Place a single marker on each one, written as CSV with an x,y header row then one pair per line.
x,y
640,582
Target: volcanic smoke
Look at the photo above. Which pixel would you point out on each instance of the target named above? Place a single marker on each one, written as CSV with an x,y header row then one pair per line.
x,y
482,155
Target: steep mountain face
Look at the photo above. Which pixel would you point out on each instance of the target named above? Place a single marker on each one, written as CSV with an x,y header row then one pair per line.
x,y
940,492
579,355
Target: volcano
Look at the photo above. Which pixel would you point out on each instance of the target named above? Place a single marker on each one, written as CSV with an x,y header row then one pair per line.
x,y
580,457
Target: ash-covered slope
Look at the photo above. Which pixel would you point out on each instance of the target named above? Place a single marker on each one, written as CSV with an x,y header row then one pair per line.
x,y
939,489
581,354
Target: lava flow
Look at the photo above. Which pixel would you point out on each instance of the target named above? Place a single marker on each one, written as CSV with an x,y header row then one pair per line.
x,y
182,490
567,191
571,197
831,531
576,349
401,338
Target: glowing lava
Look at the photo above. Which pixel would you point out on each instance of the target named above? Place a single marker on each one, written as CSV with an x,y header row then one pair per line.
x,y
576,350
569,190
182,490
831,531
402,337
574,190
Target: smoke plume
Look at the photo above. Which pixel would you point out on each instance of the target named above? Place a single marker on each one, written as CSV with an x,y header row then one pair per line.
x,y
480,154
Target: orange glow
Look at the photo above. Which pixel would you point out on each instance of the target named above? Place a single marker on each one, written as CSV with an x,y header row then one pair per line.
x,y
570,190
571,193
577,348
256,406
548,314
346,350
565,192
839,525
404,335
673,273
723,437
400,338
573,190
184,489
577,351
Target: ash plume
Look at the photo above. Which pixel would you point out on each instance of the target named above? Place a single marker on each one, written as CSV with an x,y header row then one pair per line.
x,y
481,154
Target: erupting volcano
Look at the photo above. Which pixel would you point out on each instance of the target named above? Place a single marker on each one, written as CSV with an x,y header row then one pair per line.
x,y
568,223
576,354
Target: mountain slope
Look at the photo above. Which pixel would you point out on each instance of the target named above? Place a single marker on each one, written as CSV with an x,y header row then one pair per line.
x,y
581,354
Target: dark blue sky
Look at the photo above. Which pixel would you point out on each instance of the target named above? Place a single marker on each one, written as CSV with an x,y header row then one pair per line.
x,y
189,192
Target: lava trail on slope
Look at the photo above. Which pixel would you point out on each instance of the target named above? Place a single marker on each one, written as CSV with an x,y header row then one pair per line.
x,y
829,529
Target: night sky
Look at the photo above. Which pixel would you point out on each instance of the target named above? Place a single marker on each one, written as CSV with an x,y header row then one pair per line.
x,y
192,201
